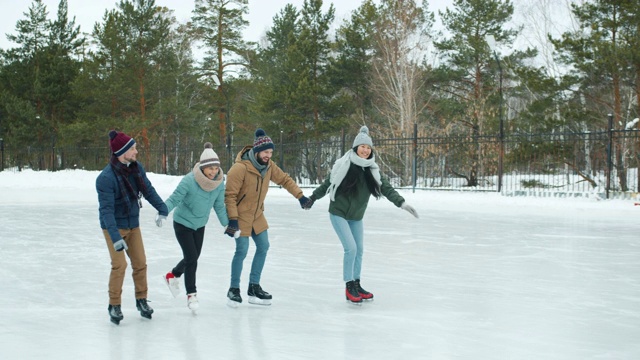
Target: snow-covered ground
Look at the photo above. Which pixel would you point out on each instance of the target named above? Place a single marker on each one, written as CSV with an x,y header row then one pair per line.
x,y
478,276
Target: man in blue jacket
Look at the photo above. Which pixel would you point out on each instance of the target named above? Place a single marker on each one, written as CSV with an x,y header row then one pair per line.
x,y
121,186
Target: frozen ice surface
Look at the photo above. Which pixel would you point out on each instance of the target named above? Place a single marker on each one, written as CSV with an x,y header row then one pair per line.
x,y
478,276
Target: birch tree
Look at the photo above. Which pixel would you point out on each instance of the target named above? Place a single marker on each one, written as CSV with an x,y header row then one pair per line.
x,y
401,38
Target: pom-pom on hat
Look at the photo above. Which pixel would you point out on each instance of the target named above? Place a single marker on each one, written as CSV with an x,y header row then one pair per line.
x,y
262,142
209,157
120,142
363,138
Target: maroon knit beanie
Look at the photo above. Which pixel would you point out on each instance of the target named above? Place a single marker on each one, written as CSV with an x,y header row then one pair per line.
x,y
120,142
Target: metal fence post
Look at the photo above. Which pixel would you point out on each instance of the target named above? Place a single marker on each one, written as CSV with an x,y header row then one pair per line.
x,y
281,151
609,154
414,169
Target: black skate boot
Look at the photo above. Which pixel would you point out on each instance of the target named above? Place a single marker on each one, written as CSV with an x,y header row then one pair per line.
x,y
144,308
258,296
234,297
352,293
115,313
364,294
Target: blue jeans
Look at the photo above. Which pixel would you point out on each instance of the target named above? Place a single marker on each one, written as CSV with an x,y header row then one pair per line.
x,y
350,233
242,247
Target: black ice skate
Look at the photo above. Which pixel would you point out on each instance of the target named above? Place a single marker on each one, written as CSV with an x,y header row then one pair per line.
x,y
234,297
258,296
364,294
352,295
144,308
115,313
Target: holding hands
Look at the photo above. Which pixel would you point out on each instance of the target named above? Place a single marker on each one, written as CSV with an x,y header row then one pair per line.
x,y
160,219
409,209
306,203
232,229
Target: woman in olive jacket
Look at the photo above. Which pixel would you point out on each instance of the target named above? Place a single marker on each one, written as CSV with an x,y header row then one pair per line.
x,y
353,179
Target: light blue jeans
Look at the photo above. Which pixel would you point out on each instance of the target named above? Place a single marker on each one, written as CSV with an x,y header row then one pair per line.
x,y
242,247
350,233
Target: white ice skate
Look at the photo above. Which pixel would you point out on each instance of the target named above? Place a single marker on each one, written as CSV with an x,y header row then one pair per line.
x,y
192,303
173,283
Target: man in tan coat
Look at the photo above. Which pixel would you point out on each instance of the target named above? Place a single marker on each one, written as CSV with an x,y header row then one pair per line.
x,y
247,186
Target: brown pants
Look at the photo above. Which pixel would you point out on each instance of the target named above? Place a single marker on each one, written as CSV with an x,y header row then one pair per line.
x,y
138,259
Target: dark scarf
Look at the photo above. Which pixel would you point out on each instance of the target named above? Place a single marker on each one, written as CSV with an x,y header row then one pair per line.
x,y
122,172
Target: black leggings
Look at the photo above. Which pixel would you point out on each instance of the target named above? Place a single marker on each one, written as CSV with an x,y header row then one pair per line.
x,y
191,243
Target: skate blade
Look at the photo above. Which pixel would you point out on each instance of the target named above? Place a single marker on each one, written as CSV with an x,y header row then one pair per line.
x,y
232,304
115,321
354,303
257,301
145,315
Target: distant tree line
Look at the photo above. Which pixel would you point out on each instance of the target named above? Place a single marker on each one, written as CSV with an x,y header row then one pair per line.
x,y
182,84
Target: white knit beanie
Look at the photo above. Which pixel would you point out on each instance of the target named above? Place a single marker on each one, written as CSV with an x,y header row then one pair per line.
x,y
363,138
209,157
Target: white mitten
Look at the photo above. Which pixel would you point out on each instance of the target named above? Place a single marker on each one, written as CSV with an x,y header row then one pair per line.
x,y
409,209
160,219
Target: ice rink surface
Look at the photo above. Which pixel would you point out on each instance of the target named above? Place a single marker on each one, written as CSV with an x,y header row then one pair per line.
x,y
478,276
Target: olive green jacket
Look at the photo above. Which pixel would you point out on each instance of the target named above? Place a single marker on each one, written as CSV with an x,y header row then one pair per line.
x,y
353,206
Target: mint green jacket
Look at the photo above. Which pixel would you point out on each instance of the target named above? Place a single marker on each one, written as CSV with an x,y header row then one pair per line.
x,y
193,205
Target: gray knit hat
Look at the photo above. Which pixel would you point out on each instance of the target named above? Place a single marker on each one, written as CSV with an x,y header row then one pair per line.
x,y
363,138
209,157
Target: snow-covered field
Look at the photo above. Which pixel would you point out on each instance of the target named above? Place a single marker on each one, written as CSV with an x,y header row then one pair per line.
x,y
478,276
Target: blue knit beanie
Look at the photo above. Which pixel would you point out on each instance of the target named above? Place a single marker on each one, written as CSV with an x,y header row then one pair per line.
x,y
262,142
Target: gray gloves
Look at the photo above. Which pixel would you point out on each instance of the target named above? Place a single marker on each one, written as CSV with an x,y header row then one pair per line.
x,y
120,245
409,209
160,219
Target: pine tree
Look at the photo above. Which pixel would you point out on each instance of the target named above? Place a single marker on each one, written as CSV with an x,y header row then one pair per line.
x,y
601,55
219,25
466,80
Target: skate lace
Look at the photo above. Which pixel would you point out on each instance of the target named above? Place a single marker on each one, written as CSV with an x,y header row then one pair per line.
x,y
144,304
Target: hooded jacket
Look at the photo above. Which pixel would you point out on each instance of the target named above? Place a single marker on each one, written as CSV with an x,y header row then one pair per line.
x,y
246,190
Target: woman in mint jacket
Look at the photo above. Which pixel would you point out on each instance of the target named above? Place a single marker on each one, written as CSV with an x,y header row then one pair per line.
x,y
353,179
198,192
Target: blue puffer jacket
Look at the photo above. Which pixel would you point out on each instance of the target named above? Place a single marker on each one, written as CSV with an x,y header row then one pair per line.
x,y
114,212
193,204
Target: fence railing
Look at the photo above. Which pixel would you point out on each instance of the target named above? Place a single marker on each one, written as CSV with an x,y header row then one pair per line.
x,y
536,164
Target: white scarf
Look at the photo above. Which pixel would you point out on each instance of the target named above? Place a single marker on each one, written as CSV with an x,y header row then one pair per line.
x,y
341,167
204,182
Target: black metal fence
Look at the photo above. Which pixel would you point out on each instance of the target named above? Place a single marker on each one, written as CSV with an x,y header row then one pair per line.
x,y
561,164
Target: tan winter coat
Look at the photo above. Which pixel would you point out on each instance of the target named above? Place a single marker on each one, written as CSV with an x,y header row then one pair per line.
x,y
246,190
